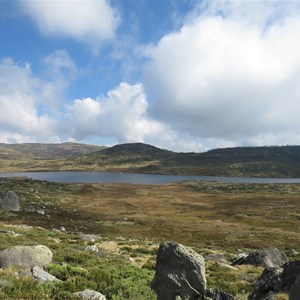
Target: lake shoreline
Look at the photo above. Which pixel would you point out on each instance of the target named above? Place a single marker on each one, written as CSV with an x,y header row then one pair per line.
x,y
138,178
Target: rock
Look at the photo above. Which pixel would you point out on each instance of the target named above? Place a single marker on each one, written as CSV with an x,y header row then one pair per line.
x,y
268,282
29,209
291,271
34,210
267,258
292,253
41,275
269,296
294,292
239,259
90,295
216,257
25,256
180,271
89,237
10,201
93,248
215,294
131,259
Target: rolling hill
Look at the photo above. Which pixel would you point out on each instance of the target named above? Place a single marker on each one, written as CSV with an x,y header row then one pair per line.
x,y
45,151
273,161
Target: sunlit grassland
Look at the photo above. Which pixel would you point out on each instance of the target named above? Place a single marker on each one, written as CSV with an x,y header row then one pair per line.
x,y
133,219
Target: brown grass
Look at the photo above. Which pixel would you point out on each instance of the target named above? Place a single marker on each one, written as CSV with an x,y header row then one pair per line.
x,y
198,214
181,213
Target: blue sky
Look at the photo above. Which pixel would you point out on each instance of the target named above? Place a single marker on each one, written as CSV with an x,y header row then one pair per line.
x,y
183,75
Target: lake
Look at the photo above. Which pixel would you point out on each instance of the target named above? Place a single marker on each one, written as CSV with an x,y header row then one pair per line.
x,y
98,177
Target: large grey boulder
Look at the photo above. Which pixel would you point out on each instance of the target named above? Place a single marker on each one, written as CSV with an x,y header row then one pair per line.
x,y
294,292
90,295
291,271
180,272
267,284
25,256
9,201
266,258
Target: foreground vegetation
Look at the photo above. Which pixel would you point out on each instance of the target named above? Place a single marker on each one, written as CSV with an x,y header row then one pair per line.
x,y
129,221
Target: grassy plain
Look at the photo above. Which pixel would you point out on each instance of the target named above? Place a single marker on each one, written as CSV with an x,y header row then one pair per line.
x,y
131,220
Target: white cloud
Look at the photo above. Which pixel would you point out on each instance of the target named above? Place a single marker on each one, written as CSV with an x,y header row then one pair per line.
x,y
92,21
21,101
230,76
121,114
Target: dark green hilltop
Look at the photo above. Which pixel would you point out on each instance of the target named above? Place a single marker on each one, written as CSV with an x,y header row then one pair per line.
x,y
272,161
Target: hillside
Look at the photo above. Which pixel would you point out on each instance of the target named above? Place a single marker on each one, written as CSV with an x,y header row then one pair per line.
x,y
45,151
272,161
275,161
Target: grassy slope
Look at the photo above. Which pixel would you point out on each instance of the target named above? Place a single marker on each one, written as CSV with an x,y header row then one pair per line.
x,y
133,219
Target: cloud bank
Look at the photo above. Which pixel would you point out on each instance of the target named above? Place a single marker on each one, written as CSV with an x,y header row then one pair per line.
x,y
123,114
231,76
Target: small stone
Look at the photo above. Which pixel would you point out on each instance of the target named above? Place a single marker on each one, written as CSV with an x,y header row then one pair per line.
x,y
131,259
93,248
90,295
292,253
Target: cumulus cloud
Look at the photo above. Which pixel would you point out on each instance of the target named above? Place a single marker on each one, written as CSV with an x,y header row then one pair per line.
x,y
230,76
23,97
121,114
91,21
29,115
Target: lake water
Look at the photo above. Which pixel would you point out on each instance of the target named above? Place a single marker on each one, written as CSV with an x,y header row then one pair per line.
x,y
98,177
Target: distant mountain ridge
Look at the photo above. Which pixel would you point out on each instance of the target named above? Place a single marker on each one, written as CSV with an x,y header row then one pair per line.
x,y
45,151
273,161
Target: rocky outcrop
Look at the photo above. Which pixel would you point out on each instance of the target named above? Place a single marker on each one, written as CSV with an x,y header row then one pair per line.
x,y
90,295
275,280
266,258
25,256
267,284
180,272
9,201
